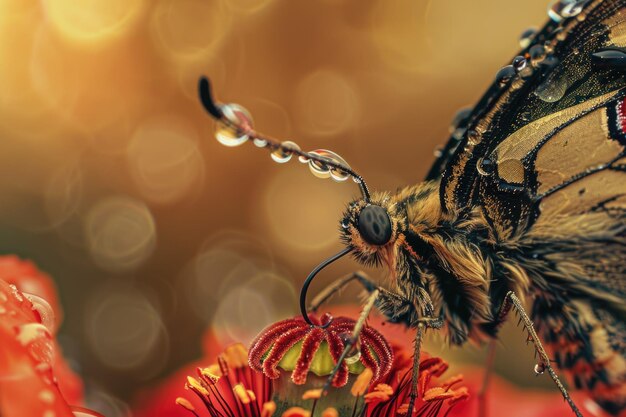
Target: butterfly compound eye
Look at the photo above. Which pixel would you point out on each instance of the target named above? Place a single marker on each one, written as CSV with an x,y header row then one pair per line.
x,y
375,225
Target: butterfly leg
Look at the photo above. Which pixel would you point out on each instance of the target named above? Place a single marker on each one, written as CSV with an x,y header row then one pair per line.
x,y
354,337
422,325
395,307
512,302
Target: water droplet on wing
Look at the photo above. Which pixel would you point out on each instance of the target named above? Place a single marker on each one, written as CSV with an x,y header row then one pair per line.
x,y
526,37
563,9
505,75
551,90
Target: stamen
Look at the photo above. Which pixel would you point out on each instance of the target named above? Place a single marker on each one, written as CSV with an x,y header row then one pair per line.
x,y
296,412
269,409
236,356
330,412
207,376
362,383
197,385
186,405
312,394
242,394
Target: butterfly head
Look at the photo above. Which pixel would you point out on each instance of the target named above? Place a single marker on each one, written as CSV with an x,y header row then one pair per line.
x,y
370,228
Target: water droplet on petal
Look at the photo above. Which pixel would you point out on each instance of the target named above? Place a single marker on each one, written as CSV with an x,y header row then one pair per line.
x,y
551,90
30,332
37,340
229,135
563,9
285,152
526,37
259,143
83,412
43,308
505,75
540,368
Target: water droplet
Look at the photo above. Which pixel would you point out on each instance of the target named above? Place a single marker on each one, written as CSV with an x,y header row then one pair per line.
x,y
519,63
351,360
83,412
526,37
285,152
16,294
537,54
259,143
551,90
485,166
30,332
540,368
505,75
549,62
46,396
319,169
345,223
44,310
339,175
460,119
322,170
609,58
229,135
438,153
563,9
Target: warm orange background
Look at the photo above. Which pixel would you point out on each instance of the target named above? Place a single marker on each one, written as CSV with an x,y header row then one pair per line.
x,y
112,180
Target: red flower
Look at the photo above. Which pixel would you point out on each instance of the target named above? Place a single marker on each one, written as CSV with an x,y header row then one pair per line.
x,y
438,396
31,368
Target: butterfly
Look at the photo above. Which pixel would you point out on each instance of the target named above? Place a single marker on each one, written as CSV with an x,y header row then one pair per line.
x,y
525,205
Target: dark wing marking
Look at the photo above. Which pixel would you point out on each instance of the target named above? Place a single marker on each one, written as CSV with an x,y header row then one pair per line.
x,y
550,128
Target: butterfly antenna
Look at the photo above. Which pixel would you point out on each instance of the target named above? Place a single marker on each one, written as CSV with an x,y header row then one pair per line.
x,y
235,128
309,279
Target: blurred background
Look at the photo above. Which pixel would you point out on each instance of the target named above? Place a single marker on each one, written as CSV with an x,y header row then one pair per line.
x,y
113,183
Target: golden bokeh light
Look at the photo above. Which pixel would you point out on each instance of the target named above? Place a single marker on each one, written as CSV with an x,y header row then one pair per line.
x,y
251,306
164,159
302,212
93,20
189,30
326,104
125,330
120,232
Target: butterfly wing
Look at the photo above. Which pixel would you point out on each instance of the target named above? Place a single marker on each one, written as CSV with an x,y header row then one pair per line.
x,y
543,156
533,143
